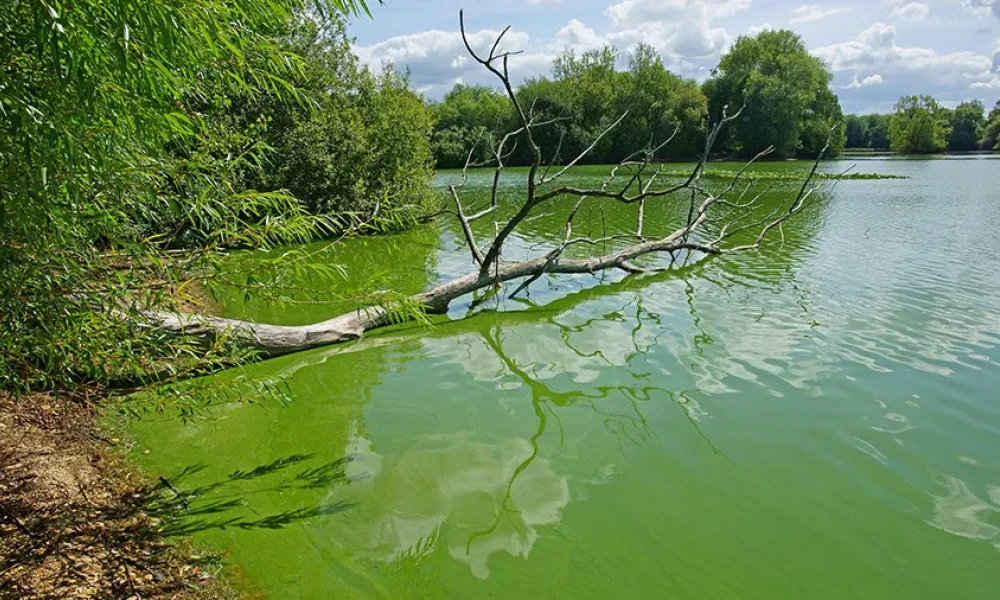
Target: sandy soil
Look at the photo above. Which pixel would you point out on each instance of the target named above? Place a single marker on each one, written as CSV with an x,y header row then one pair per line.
x,y
75,521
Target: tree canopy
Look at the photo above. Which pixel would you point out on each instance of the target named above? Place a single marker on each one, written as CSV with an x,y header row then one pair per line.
x,y
867,131
967,122
991,134
467,115
583,97
362,138
919,126
660,103
784,93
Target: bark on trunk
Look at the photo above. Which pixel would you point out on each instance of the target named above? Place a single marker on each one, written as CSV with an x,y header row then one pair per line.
x,y
275,340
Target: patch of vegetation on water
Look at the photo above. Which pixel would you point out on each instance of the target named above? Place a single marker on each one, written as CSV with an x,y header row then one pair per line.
x,y
785,175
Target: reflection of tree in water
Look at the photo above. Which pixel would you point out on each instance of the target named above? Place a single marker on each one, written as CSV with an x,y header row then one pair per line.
x,y
514,484
456,491
541,395
468,492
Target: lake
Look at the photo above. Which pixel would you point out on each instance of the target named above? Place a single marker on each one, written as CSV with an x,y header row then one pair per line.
x,y
817,420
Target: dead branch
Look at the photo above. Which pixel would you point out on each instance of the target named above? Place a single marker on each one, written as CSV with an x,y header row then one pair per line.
x,y
689,237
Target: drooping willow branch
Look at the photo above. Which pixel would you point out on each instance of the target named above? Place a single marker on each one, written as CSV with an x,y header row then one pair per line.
x,y
631,181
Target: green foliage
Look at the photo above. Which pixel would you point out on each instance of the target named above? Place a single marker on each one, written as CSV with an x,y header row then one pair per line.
x,y
658,104
918,126
590,94
584,96
991,134
360,141
108,163
785,94
464,120
967,122
867,131
824,124
878,131
856,131
470,107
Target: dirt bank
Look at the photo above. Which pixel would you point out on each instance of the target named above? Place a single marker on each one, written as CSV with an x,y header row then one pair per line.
x,y
75,521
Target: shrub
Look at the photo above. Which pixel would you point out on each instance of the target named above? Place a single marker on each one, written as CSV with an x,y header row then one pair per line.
x,y
361,139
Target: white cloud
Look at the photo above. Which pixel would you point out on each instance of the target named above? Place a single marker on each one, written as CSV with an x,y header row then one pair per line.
x,y
635,13
438,59
909,70
913,11
682,31
983,7
875,79
543,2
578,36
992,84
809,13
755,30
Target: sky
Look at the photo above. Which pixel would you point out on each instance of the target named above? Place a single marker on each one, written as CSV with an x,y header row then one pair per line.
x,y
877,50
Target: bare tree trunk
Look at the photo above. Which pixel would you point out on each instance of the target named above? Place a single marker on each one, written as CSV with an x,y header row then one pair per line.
x,y
273,340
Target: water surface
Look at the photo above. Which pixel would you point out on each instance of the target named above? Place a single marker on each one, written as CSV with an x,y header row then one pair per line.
x,y
818,420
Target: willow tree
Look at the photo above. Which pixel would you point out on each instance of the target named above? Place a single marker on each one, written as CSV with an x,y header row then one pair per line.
x,y
713,221
98,136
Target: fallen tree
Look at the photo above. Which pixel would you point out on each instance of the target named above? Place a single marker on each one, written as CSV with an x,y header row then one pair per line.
x,y
712,221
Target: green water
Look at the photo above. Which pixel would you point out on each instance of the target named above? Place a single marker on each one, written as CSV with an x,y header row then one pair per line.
x,y
820,420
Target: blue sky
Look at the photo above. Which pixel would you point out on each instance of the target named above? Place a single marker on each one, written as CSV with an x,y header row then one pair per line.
x,y
878,50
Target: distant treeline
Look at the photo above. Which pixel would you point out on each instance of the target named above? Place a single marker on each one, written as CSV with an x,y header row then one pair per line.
x,y
783,89
919,125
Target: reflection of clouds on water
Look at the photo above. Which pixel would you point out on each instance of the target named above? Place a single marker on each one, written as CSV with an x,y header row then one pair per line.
x,y
466,489
364,462
759,348
531,357
963,513
870,449
632,339
902,421
928,308
478,496
745,344
543,348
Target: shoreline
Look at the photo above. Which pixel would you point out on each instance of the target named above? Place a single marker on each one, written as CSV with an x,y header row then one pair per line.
x,y
75,516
